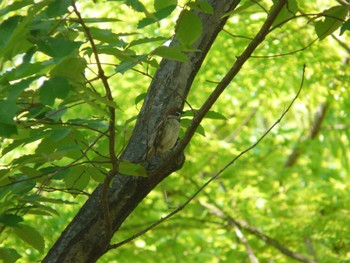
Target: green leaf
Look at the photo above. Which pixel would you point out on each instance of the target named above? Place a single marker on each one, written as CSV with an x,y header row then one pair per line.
x,y
173,53
161,4
345,26
188,28
288,11
7,130
156,17
10,220
54,200
17,42
100,20
17,88
186,123
96,174
140,97
22,188
244,6
31,236
119,54
60,134
16,5
9,255
145,40
72,68
136,5
57,7
13,37
334,17
201,6
8,110
210,115
57,47
77,178
215,115
132,169
26,70
126,65
107,36
56,87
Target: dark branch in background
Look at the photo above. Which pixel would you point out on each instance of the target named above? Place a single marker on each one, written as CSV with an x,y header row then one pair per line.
x,y
314,130
241,237
111,128
269,240
223,84
214,176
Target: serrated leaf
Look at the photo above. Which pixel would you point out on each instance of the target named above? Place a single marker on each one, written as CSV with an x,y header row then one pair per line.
x,y
100,20
15,6
188,28
17,88
126,65
57,7
161,4
107,36
57,47
9,255
26,70
334,17
136,5
23,187
77,178
31,236
56,87
156,17
173,53
72,68
132,169
145,40
96,174
201,6
10,220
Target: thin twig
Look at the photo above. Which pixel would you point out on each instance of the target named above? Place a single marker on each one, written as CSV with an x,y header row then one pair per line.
x,y
112,154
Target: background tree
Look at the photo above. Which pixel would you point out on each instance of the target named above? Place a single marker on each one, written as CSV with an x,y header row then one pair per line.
x,y
263,179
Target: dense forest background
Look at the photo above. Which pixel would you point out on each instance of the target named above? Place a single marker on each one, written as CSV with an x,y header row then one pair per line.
x,y
266,175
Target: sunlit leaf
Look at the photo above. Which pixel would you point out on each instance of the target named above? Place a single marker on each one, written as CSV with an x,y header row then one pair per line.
x,y
132,169
173,53
188,28
334,17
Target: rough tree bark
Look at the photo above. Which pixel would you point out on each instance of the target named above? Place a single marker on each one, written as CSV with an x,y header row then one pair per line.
x,y
85,238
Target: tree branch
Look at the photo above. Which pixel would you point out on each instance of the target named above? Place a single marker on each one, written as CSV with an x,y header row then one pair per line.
x,y
224,83
81,240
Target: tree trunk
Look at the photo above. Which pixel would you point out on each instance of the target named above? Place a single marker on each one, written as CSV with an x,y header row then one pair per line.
x,y
85,239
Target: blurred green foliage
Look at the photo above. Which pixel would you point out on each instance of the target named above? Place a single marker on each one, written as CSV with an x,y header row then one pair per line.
x,y
54,126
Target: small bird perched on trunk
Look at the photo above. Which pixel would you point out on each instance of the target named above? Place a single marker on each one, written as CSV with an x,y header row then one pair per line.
x,y
166,133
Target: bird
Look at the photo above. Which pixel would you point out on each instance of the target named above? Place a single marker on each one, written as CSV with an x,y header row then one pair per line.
x,y
166,133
